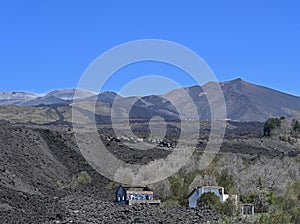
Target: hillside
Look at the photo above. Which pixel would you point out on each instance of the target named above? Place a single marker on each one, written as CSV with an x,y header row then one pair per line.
x,y
244,102
40,166
45,179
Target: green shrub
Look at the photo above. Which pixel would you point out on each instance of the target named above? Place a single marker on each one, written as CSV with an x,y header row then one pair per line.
x,y
295,125
262,200
210,199
271,124
180,186
228,208
290,202
227,181
270,197
274,218
285,208
295,213
295,128
249,198
58,185
260,183
84,178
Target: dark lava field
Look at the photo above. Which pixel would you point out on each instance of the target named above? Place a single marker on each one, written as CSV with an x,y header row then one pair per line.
x,y
39,166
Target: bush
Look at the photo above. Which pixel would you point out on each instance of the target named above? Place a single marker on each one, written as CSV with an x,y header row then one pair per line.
x,y
260,183
290,202
295,128
179,186
58,185
84,178
275,217
212,200
227,181
228,208
285,209
296,125
262,200
249,198
271,124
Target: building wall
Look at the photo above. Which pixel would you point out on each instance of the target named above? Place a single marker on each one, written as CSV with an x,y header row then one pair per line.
x,y
193,198
121,196
126,196
139,196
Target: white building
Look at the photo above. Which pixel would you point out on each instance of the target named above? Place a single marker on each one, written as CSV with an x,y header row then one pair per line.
x,y
219,191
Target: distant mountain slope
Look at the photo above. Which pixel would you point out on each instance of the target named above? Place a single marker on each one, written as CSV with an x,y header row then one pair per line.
x,y
68,94
244,102
45,100
262,101
150,106
13,98
54,97
17,96
105,97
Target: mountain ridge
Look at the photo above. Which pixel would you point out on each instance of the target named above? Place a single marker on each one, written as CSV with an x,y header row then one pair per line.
x,y
244,102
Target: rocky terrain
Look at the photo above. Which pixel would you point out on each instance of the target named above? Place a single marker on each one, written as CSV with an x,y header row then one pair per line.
x,y
45,179
37,166
40,168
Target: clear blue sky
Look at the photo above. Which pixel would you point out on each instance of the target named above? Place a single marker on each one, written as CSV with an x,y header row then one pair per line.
x,y
48,44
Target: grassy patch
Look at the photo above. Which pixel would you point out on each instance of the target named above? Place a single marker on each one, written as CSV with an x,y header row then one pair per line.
x,y
83,178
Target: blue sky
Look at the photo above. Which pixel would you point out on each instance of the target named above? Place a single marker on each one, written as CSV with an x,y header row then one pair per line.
x,y
46,45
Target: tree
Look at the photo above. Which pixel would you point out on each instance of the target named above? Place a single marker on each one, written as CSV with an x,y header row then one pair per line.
x,y
228,207
295,127
270,124
210,199
262,200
